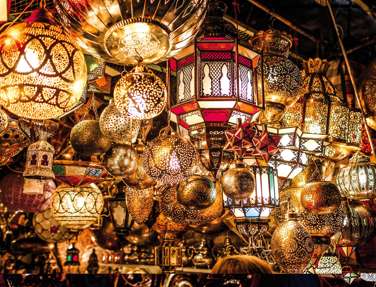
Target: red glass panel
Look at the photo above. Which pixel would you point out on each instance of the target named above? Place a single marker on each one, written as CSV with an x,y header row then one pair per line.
x,y
183,124
185,61
216,56
247,108
185,108
172,63
216,115
244,61
216,46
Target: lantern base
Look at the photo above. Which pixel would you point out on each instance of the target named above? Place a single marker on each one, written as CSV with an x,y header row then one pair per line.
x,y
137,40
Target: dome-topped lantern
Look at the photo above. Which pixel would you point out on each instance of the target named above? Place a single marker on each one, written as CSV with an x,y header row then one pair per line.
x,y
281,79
39,160
43,73
322,116
127,32
214,83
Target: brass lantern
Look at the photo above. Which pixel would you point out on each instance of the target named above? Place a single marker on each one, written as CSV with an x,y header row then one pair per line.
x,y
281,79
140,94
43,72
77,208
117,126
358,179
39,159
329,264
126,32
368,89
292,246
169,158
322,116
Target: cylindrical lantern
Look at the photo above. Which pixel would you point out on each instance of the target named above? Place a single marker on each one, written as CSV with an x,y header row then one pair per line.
x,y
127,32
43,72
358,179
39,159
281,79
322,116
264,198
77,208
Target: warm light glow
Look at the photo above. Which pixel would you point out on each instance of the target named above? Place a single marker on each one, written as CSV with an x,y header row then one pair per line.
x,y
3,10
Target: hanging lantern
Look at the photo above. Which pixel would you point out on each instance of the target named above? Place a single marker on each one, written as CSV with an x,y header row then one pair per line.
x,y
140,94
358,179
117,126
291,245
322,116
39,159
213,81
169,254
368,89
329,264
238,182
119,212
31,197
140,203
72,256
281,79
43,72
77,208
122,160
261,201
86,138
196,192
127,32
320,197
291,157
169,157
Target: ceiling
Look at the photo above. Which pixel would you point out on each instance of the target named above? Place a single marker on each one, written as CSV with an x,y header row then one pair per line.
x,y
356,18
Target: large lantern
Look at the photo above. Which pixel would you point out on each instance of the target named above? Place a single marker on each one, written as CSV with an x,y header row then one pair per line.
x,y
77,208
322,116
215,86
42,72
126,32
358,179
281,79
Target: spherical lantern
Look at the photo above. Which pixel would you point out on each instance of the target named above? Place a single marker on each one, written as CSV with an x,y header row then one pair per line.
x,y
86,138
140,94
196,192
281,77
358,179
77,208
323,225
238,182
43,72
118,127
291,246
122,161
126,32
168,158
320,197
28,195
47,228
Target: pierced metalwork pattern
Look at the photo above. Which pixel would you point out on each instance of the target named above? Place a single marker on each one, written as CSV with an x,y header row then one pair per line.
x,y
316,117
140,94
4,121
186,83
169,158
47,77
140,203
246,83
329,264
118,127
339,118
77,207
148,29
291,246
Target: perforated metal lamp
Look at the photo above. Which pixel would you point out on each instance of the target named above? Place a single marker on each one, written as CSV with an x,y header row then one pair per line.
x,y
214,84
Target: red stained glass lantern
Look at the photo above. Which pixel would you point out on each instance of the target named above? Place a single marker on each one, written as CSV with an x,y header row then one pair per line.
x,y
214,81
